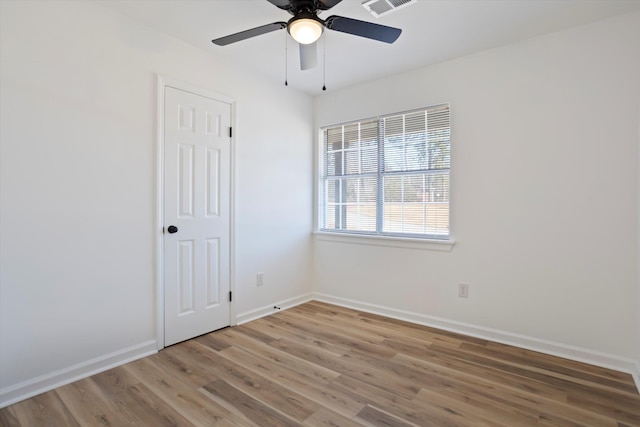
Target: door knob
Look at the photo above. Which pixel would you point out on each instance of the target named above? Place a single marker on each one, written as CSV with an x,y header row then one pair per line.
x,y
172,229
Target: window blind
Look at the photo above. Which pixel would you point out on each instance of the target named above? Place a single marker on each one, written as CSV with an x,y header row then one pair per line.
x,y
389,175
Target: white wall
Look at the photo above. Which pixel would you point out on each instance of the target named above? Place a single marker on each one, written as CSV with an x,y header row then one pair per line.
x,y
544,191
77,184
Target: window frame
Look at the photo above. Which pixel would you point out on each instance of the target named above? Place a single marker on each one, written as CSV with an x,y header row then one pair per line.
x,y
380,237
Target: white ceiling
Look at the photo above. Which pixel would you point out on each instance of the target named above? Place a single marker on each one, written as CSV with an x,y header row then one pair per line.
x,y
433,31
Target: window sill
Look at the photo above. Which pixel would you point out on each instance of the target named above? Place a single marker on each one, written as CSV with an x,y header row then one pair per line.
x,y
391,242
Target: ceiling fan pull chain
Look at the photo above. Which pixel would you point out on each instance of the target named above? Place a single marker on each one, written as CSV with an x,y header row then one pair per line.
x,y
324,62
286,60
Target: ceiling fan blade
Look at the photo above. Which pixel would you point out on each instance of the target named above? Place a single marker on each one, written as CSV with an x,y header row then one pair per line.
x,y
326,4
282,4
308,56
247,34
363,29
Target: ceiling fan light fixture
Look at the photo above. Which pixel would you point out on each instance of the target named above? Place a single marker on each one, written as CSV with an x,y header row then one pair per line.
x,y
305,30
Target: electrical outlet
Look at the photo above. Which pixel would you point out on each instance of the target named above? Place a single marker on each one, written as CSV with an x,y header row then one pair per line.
x,y
259,279
463,290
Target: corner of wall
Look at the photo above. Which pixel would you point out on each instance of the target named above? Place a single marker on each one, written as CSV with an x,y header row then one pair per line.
x,y
257,313
637,371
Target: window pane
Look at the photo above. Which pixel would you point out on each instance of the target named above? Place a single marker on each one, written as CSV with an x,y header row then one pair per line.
x,y
351,149
416,157
393,189
351,204
414,190
333,139
413,218
369,134
415,123
437,188
439,138
330,217
416,204
351,136
417,141
361,217
393,157
439,149
360,190
369,159
330,191
330,163
393,126
392,218
352,162
361,204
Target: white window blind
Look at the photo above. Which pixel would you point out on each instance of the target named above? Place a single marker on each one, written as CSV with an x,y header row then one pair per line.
x,y
388,176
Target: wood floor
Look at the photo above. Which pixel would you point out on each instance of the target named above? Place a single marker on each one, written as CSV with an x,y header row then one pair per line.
x,y
322,365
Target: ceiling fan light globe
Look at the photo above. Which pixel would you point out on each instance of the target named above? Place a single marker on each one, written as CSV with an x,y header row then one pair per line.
x,y
305,30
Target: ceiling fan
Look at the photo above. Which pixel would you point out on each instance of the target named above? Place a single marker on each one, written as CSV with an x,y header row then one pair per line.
x,y
306,27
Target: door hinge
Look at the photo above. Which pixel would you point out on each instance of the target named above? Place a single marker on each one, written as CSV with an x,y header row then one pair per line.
x,y
230,296
230,132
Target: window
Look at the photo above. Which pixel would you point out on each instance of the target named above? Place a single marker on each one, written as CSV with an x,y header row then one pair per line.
x,y
388,176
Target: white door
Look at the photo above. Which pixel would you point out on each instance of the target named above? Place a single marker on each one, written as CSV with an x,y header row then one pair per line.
x,y
197,168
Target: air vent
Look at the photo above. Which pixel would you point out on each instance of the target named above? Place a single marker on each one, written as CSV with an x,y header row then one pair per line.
x,y
379,8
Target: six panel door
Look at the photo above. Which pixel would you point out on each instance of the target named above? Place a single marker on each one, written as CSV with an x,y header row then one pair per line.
x,y
197,152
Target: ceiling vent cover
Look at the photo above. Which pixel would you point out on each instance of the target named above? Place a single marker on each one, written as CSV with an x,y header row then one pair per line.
x,y
382,7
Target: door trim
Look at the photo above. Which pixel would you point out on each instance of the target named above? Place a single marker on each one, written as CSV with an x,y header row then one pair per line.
x,y
163,82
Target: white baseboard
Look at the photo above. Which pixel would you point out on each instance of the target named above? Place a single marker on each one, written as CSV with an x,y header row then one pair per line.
x,y
548,347
26,389
267,310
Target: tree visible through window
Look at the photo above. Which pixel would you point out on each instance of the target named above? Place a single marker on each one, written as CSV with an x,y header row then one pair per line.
x,y
388,176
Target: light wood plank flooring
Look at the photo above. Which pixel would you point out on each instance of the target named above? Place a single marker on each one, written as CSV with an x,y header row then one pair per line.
x,y
322,365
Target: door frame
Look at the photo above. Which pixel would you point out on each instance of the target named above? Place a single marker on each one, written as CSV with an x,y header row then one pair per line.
x,y
164,82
